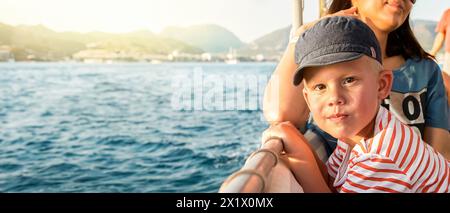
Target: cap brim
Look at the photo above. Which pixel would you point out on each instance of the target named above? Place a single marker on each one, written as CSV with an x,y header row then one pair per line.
x,y
328,59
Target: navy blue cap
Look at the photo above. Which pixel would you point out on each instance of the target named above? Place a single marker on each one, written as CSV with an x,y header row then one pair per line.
x,y
333,40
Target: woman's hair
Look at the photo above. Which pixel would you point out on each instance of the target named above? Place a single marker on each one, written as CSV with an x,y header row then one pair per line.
x,y
401,41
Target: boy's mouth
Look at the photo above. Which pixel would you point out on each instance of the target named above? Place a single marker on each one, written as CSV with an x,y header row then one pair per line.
x,y
338,117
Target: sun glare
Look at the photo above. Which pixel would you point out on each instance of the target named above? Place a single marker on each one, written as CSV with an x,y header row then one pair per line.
x,y
103,15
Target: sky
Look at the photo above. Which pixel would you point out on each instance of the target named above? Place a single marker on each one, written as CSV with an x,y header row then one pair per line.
x,y
248,19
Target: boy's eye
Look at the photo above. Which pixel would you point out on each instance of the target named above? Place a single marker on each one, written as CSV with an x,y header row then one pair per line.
x,y
349,80
319,87
413,1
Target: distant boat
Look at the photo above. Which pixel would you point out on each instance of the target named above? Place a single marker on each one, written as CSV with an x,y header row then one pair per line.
x,y
155,62
231,57
231,61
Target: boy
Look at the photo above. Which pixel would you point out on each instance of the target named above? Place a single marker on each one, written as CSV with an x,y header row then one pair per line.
x,y
339,62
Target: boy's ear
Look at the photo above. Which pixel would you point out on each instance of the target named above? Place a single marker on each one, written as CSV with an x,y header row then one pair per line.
x,y
385,83
305,94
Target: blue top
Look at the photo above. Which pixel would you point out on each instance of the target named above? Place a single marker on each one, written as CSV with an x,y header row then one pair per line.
x,y
418,95
417,98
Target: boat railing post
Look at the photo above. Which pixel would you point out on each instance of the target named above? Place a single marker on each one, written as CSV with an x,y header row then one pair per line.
x,y
253,176
323,4
297,13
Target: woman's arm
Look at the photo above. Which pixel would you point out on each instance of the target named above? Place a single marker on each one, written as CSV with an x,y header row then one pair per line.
x,y
439,139
282,100
438,41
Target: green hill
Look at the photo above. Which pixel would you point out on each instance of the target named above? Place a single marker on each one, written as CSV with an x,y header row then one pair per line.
x,y
271,45
210,38
38,41
41,43
274,43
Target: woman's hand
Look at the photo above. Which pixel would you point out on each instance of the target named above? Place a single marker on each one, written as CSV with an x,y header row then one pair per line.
x,y
352,11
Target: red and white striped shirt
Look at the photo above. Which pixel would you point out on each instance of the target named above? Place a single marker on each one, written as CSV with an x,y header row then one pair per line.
x,y
394,160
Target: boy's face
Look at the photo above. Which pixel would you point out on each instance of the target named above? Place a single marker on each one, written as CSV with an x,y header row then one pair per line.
x,y
344,97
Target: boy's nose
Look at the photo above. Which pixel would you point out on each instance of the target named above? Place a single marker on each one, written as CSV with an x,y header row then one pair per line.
x,y
335,97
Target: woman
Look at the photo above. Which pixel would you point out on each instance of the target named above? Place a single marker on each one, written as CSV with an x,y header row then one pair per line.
x,y
417,96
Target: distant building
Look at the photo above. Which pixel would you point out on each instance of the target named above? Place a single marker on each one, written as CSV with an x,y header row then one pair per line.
x,y
231,57
170,57
259,57
6,53
31,57
206,57
95,56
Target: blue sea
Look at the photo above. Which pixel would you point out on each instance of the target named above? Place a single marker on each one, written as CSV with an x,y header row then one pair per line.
x,y
73,127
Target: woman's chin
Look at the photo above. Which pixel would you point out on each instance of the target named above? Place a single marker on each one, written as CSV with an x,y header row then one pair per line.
x,y
390,24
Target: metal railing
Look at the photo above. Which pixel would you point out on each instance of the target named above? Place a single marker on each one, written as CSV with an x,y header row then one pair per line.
x,y
257,173
253,176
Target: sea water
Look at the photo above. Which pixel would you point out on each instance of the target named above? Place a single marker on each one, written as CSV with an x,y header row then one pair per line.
x,y
73,127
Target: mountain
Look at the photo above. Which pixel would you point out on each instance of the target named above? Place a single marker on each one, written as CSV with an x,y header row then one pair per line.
x,y
144,42
274,43
41,43
36,40
210,38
